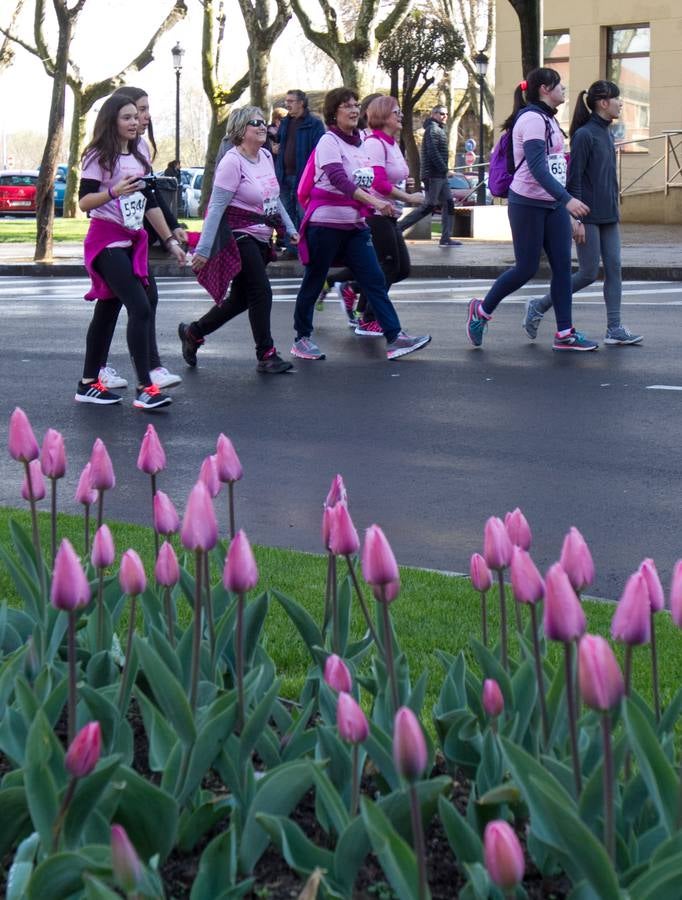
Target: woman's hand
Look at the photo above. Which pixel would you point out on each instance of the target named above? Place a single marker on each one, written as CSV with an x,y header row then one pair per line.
x,y
578,231
181,236
577,207
127,185
384,207
416,199
198,262
294,238
176,250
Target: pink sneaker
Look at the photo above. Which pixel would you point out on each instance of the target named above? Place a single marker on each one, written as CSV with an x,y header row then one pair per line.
x,y
347,299
369,329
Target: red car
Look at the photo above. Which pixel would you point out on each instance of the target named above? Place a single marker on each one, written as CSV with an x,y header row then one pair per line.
x,y
18,191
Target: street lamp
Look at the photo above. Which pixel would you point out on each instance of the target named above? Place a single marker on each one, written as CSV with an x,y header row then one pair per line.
x,y
481,63
177,53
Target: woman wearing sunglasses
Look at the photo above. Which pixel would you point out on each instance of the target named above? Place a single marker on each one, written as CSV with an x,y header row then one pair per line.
x,y
236,241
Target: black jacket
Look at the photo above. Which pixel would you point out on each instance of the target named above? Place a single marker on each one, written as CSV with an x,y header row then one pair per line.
x,y
434,162
592,175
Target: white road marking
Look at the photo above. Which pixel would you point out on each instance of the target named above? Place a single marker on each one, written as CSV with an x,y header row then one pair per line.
x,y
664,387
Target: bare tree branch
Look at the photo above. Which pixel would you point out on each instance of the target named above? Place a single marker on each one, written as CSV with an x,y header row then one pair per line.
x,y
6,49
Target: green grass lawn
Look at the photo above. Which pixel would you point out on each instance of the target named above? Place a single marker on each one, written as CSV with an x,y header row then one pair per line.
x,y
65,230
433,611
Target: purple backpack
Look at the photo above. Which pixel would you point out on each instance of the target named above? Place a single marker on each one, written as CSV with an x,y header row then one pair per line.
x,y
501,168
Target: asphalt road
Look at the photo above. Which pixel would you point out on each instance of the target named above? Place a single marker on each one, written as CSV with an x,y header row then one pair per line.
x,y
429,446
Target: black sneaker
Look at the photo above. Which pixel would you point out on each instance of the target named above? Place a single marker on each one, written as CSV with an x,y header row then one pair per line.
x,y
273,364
96,392
190,344
151,398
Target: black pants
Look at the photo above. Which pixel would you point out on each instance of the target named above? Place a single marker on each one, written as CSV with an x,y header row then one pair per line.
x,y
116,267
250,290
153,296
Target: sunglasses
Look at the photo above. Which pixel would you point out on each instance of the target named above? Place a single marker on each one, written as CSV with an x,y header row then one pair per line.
x,y
257,123
397,112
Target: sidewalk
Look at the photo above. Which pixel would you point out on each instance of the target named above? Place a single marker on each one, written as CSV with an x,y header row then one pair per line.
x,y
650,253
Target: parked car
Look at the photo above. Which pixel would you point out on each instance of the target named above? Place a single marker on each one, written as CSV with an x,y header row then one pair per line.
x,y
191,191
18,191
464,189
59,189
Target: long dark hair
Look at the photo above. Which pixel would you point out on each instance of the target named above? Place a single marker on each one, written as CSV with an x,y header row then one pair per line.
x,y
106,143
587,102
535,79
136,93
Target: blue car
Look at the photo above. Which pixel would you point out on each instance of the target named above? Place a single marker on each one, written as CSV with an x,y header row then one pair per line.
x,y
59,190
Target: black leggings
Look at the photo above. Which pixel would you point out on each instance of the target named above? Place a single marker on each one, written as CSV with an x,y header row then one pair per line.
x,y
153,296
250,290
116,267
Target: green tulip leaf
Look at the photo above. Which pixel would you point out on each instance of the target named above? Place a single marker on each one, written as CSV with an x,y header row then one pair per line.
x,y
208,745
299,852
160,735
217,866
141,808
254,618
15,819
21,869
86,796
25,582
303,621
328,796
464,842
61,875
479,880
41,795
671,714
256,721
298,739
395,854
98,890
168,692
195,824
492,668
659,882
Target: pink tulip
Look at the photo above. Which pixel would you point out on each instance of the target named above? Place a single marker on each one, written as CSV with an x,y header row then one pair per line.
x,y
37,482
343,538
151,458
131,575
125,862
166,519
497,547
199,526
653,583
326,525
503,855
409,747
479,573
351,720
209,475
527,583
576,560
676,594
53,455
631,623
85,493
241,572
378,562
229,467
102,476
166,570
518,529
84,752
599,676
493,701
22,443
337,675
70,589
564,619
103,552
337,492
388,592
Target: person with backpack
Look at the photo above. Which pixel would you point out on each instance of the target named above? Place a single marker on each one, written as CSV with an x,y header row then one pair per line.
x,y
593,178
541,211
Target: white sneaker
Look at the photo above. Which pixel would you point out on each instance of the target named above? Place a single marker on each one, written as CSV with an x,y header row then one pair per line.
x,y
162,378
110,378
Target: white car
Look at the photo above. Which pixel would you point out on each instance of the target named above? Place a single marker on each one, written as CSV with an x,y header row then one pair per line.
x,y
191,190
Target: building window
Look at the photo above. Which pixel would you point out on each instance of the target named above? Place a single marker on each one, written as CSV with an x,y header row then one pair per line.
x,y
627,64
557,55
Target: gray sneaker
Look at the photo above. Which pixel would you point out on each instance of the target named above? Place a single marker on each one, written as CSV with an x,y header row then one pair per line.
x,y
532,319
620,335
406,343
304,348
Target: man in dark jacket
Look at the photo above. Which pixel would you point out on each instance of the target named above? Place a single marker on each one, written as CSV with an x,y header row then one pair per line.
x,y
434,173
299,133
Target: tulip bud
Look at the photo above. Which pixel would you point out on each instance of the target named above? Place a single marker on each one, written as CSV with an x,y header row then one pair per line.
x,y
599,676
343,538
351,720
409,746
84,752
326,525
387,592
199,526
85,493
21,442
336,674
497,548
564,619
103,553
166,570
125,862
37,482
503,855
131,575
209,475
53,455
653,583
70,588
479,573
241,572
166,520
576,560
337,492
493,701
676,594
518,529
227,461
151,458
102,476
631,623
378,562
527,583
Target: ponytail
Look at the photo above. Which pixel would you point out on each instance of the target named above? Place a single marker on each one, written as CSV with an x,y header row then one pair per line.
x,y
587,102
519,104
581,114
535,79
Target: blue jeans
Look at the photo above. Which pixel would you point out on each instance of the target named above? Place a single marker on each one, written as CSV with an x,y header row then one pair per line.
x,y
287,194
355,249
534,228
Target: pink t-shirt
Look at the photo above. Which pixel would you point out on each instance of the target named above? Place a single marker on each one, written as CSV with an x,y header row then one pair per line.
x,y
388,155
254,185
531,127
357,166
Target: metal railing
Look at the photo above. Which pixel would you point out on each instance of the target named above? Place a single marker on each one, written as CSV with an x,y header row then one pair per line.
x,y
672,168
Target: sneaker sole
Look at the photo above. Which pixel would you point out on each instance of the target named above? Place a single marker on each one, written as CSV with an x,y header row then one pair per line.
x,y
396,354
307,356
193,360
165,402
574,348
169,382
612,342
369,334
98,401
469,319
115,386
530,326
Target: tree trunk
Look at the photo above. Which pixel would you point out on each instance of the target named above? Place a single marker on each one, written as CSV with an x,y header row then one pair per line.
x,y
530,22
76,141
411,149
259,77
216,133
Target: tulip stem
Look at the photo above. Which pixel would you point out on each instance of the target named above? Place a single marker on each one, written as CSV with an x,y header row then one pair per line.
x,y
239,660
53,515
209,609
572,719
169,615
388,651
361,601
59,821
129,653
654,668
100,508
71,645
539,673
327,594
40,568
484,618
86,528
335,607
419,843
100,609
196,635
355,786
503,621
519,620
627,677
679,801
230,507
156,536
609,832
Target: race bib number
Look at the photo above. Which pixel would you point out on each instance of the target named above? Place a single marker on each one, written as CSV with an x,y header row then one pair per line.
x,y
270,206
132,208
557,167
363,178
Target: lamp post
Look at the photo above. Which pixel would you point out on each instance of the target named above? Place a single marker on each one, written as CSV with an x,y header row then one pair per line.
x,y
481,63
177,52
